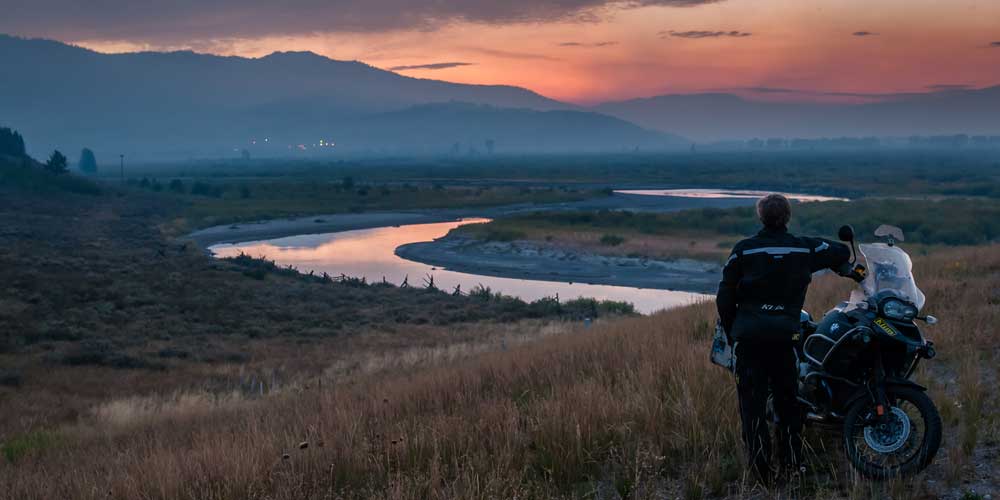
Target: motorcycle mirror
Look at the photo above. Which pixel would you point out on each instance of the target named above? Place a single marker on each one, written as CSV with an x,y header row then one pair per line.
x,y
931,320
892,232
846,233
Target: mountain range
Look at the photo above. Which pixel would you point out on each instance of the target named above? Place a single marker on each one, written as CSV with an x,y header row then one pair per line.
x,y
721,116
182,104
168,105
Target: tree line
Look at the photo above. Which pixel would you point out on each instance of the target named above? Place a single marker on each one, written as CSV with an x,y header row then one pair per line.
x,y
12,145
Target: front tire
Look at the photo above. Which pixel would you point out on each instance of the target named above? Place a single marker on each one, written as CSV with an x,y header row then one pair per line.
x,y
902,445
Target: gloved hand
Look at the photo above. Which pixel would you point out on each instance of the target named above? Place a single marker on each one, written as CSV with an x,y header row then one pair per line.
x,y
856,272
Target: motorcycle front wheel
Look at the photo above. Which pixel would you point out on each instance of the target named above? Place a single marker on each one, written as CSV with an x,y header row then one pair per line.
x,y
902,443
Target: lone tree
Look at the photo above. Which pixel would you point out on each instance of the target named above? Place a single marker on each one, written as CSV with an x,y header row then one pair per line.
x,y
57,163
11,143
88,162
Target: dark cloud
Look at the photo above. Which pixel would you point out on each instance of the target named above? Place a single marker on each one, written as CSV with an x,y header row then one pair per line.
x,y
994,44
800,92
869,95
507,54
704,34
180,21
813,93
444,65
864,33
941,87
950,86
594,45
770,90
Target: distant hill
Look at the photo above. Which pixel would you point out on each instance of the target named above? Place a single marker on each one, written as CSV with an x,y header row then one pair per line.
x,y
183,104
436,127
717,116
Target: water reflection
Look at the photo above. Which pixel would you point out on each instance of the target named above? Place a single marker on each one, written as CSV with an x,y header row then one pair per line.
x,y
370,253
725,193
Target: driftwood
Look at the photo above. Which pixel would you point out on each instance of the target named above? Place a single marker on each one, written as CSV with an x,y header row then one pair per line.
x,y
429,282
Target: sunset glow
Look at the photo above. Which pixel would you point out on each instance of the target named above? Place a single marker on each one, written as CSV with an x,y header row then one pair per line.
x,y
591,50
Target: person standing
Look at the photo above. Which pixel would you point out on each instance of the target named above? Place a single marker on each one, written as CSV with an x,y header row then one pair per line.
x,y
760,298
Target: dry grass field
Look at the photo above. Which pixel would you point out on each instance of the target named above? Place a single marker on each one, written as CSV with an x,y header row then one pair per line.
x,y
97,305
132,365
629,408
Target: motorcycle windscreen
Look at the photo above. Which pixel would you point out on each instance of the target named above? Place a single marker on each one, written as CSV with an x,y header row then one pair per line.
x,y
889,270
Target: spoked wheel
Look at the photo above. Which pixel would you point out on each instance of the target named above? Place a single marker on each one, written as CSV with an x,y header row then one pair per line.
x,y
901,443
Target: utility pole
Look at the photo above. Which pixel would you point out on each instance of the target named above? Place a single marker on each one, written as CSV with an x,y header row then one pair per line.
x,y
122,157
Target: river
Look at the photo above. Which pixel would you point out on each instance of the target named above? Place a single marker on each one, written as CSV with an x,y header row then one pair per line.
x,y
371,254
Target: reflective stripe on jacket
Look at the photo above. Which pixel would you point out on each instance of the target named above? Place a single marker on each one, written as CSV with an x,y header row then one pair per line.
x,y
765,279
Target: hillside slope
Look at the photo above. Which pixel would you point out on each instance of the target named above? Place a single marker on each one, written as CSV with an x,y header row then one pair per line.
x,y
629,408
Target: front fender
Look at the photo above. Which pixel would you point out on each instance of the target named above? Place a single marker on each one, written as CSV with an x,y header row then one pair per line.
x,y
862,392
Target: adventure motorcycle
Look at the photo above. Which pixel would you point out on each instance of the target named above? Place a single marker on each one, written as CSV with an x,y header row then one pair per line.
x,y
855,365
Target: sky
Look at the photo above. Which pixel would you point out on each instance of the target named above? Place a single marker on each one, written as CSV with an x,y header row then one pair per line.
x,y
580,51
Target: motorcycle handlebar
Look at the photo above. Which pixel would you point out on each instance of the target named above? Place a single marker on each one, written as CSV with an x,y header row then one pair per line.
x,y
856,272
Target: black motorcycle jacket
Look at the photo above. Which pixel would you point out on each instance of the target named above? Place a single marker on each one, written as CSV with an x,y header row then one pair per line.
x,y
765,279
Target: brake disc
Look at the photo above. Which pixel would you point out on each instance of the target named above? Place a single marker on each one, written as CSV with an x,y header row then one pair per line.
x,y
891,436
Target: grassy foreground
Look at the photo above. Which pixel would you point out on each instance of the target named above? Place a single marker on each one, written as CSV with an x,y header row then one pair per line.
x,y
629,407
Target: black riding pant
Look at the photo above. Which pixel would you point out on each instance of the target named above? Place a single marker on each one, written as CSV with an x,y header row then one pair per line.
x,y
764,368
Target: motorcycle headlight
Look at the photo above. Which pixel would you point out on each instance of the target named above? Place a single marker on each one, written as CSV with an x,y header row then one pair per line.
x,y
897,309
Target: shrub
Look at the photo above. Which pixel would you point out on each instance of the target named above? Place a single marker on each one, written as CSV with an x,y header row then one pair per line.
x,y
57,163
482,292
173,353
612,240
11,378
101,352
504,235
88,162
546,306
205,189
20,446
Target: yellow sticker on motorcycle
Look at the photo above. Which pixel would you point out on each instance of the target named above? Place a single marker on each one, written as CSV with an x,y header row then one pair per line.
x,y
884,325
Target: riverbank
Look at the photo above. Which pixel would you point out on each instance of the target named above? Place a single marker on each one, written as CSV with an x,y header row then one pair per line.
x,y
316,224
530,260
520,260
328,223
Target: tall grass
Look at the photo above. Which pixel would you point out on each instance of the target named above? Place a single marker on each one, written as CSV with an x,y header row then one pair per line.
x,y
630,407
